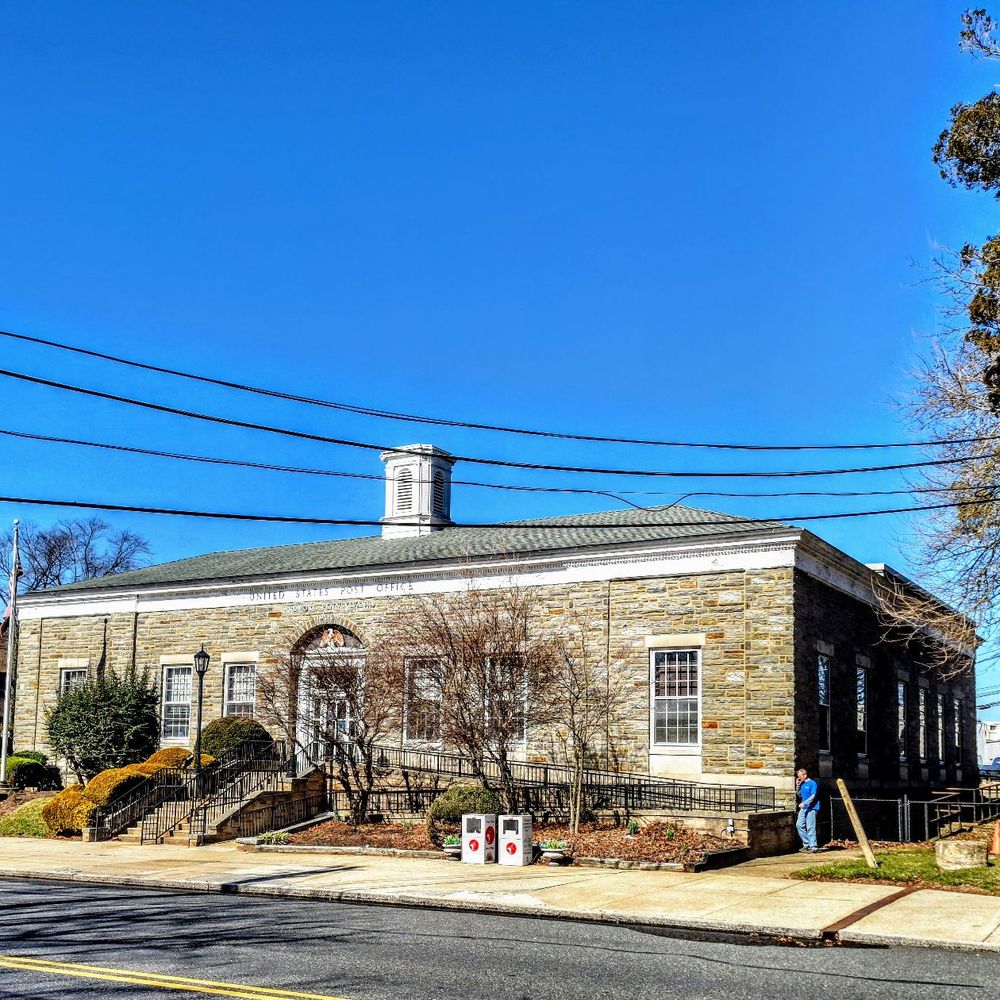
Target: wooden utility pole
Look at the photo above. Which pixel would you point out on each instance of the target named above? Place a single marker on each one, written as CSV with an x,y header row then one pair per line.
x,y
859,830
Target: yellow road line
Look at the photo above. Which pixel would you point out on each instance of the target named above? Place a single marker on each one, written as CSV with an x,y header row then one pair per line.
x,y
155,980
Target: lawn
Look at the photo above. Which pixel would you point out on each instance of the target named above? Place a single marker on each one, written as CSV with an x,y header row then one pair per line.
x,y
909,866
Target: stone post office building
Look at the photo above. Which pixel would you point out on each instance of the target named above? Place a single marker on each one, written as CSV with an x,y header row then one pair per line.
x,y
752,648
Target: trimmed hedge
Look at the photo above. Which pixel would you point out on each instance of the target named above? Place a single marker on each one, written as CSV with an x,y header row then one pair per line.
x,y
446,811
27,820
23,772
34,755
102,788
170,757
225,734
69,811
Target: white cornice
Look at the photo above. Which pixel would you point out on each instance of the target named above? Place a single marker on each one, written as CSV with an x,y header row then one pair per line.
x,y
643,560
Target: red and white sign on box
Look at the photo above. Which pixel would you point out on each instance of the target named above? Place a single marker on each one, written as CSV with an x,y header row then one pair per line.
x,y
479,839
514,840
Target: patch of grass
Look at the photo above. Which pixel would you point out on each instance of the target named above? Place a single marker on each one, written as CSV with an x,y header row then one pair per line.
x,y
26,821
911,866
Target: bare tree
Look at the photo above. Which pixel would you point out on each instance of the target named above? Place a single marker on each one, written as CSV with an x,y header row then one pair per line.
x,y
482,658
338,701
70,551
587,701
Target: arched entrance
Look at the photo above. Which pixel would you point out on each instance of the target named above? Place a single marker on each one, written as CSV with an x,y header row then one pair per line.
x,y
331,683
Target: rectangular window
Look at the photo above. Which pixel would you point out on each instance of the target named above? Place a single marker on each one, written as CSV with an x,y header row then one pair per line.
x,y
957,730
823,700
922,723
241,689
676,720
69,679
862,716
902,693
422,711
940,727
176,703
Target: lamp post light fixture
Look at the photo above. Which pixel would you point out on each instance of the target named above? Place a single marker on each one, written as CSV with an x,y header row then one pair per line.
x,y
201,660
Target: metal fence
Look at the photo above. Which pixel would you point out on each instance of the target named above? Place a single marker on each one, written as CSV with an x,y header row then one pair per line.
x,y
910,821
543,787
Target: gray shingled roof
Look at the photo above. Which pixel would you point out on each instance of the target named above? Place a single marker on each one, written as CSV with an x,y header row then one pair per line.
x,y
610,528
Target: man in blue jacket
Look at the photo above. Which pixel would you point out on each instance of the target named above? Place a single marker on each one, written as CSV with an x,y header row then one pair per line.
x,y
808,808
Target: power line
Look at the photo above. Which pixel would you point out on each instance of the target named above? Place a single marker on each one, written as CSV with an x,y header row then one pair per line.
x,y
475,460
731,521
472,425
371,477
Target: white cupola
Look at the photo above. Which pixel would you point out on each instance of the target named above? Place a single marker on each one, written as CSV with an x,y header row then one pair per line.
x,y
417,490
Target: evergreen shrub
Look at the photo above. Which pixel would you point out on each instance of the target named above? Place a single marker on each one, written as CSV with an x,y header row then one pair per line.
x,y
223,735
106,722
24,772
446,811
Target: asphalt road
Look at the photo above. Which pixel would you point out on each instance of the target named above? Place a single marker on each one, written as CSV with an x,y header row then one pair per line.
x,y
368,952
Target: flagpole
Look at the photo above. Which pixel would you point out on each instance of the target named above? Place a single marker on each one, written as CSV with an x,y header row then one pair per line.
x,y
11,646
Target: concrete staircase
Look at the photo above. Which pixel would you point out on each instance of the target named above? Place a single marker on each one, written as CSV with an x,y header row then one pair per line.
x,y
281,797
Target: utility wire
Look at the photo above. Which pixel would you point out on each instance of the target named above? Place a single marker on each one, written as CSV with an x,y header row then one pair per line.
x,y
371,477
472,425
731,521
475,460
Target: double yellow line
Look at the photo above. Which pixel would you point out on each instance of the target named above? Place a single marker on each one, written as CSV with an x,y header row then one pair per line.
x,y
155,980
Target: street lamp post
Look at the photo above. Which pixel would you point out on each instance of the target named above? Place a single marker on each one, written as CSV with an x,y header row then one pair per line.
x,y
201,659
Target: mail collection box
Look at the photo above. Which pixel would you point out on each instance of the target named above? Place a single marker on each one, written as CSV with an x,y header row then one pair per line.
x,y
514,840
479,839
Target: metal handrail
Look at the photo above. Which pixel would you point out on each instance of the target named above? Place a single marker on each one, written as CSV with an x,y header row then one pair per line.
x,y
605,789
163,817
236,783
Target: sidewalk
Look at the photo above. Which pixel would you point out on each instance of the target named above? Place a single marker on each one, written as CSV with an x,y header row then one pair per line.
x,y
750,898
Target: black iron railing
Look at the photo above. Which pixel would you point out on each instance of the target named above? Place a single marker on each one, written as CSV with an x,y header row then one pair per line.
x,y
178,801
550,783
235,784
128,809
279,814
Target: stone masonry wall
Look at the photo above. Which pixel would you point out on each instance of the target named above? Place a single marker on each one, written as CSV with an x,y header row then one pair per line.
x,y
747,658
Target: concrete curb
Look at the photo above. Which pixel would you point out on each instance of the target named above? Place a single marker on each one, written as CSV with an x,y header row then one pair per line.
x,y
678,927
377,898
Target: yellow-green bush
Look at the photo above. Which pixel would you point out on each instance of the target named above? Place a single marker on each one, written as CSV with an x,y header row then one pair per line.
x,y
102,788
169,757
26,821
69,811
173,757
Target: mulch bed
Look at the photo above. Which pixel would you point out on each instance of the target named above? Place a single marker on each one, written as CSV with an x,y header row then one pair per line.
x,y
334,833
656,842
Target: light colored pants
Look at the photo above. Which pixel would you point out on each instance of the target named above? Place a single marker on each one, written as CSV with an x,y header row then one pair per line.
x,y
806,825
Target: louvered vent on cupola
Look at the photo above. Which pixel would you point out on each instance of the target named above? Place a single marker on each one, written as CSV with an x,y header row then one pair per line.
x,y
417,490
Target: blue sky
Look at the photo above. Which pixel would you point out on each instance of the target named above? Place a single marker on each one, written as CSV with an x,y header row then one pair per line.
x,y
674,220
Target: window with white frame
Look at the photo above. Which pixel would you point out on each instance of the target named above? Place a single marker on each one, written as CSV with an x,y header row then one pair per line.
x,y
241,689
505,696
902,694
862,712
957,730
940,727
176,702
823,700
922,723
422,710
676,702
72,677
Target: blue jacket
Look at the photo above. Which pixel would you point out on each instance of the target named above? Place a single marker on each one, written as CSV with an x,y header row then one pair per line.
x,y
809,793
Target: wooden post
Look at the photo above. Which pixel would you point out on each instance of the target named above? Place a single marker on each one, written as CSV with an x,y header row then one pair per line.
x,y
859,830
